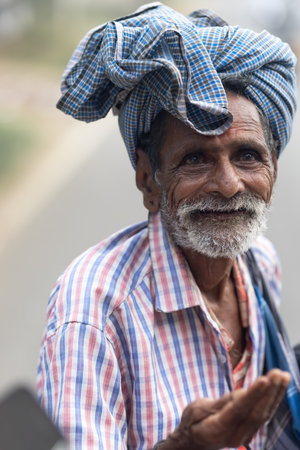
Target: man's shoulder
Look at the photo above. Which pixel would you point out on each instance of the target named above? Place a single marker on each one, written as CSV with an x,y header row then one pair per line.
x,y
268,261
101,278
265,254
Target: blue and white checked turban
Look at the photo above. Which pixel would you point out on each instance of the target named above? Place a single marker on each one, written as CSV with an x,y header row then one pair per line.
x,y
159,59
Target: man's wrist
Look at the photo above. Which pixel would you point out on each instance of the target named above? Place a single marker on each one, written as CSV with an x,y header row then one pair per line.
x,y
168,444
159,445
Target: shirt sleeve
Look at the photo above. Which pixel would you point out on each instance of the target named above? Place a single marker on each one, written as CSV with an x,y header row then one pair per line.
x,y
79,386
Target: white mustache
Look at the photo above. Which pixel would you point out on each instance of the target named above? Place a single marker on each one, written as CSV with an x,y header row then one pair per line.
x,y
243,202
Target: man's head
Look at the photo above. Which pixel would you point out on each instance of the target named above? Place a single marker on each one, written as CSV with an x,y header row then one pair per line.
x,y
213,191
157,59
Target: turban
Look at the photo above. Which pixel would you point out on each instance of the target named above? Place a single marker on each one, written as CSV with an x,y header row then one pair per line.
x,y
158,59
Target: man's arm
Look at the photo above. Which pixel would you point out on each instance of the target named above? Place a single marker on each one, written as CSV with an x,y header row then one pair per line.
x,y
230,421
80,387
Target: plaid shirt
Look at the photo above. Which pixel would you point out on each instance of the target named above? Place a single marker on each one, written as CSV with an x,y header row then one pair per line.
x,y
130,342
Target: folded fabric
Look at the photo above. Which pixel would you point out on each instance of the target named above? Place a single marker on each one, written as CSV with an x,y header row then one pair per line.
x,y
159,59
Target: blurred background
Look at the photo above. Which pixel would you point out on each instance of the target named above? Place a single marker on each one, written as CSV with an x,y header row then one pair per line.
x,y
65,185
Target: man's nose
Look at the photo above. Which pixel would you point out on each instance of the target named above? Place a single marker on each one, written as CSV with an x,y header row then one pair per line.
x,y
225,180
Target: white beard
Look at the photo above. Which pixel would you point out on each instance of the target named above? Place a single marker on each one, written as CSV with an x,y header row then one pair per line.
x,y
197,227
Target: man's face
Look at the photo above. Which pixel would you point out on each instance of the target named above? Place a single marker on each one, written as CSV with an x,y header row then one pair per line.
x,y
215,189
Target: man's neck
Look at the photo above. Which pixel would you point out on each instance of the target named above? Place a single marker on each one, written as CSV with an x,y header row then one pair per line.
x,y
214,278
211,274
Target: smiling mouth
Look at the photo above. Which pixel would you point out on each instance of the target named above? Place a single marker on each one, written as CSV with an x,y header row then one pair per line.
x,y
221,213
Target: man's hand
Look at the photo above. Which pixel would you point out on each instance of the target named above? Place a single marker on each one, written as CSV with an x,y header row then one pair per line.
x,y
232,420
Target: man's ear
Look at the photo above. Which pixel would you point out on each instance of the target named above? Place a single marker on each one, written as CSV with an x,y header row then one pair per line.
x,y
145,182
275,164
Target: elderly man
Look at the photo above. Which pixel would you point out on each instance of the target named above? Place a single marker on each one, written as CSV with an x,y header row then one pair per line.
x,y
167,333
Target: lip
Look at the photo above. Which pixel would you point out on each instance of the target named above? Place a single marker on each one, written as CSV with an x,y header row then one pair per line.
x,y
221,215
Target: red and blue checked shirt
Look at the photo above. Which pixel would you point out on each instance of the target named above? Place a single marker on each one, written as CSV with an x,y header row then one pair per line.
x,y
130,342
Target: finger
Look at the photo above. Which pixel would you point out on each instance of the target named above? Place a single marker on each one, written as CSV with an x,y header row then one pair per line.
x,y
278,373
275,384
243,402
265,408
220,403
278,383
238,415
195,413
274,376
227,419
202,408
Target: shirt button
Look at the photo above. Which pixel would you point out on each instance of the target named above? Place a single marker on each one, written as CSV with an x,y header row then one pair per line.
x,y
223,358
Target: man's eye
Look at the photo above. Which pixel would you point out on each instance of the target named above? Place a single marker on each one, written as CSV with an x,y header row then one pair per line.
x,y
249,156
192,159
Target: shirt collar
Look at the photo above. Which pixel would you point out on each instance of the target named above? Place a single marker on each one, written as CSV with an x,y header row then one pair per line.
x,y
255,324
175,287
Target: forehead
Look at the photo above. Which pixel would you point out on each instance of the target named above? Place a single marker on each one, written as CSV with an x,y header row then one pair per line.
x,y
246,125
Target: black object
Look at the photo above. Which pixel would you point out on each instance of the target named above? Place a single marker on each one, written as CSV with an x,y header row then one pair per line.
x,y
25,426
